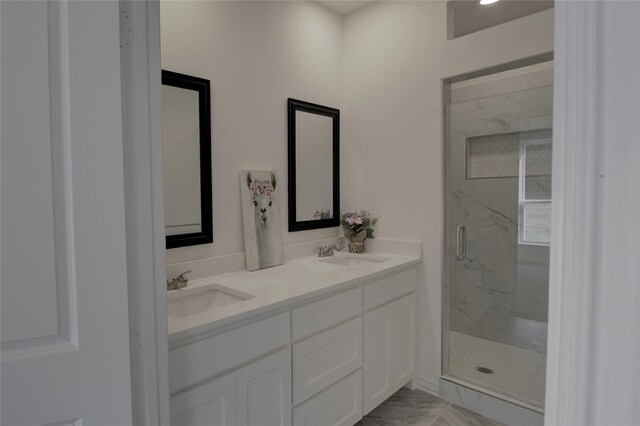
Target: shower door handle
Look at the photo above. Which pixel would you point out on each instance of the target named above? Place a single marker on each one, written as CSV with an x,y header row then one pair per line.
x,y
461,242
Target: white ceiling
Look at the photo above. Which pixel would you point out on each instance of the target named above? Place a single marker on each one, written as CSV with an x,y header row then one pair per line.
x,y
343,7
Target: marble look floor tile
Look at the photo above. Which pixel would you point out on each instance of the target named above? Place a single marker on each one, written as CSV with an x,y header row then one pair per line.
x,y
416,408
367,422
458,416
407,407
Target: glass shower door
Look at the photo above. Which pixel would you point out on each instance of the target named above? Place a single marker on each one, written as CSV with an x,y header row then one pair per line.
x,y
497,219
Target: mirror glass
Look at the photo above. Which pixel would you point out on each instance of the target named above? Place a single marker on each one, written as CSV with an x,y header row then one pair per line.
x,y
186,137
181,140
313,166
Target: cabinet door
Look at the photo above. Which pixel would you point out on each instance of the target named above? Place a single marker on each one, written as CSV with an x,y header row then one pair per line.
x,y
403,341
264,391
390,345
377,356
211,404
325,358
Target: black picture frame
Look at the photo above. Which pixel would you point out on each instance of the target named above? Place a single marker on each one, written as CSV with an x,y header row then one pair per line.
x,y
294,105
202,86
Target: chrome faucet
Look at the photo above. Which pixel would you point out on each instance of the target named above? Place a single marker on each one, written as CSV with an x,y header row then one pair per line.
x,y
178,282
327,251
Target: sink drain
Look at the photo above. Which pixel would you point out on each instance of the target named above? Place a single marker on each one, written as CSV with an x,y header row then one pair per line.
x,y
484,370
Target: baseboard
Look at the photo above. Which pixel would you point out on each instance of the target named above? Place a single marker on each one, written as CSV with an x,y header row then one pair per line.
x,y
429,386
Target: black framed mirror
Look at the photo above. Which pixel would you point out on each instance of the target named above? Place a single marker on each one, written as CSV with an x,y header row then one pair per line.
x,y
186,138
314,166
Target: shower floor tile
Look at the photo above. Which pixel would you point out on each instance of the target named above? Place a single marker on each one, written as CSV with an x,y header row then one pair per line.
x,y
517,372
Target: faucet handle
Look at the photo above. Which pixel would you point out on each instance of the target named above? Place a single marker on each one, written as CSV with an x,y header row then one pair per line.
x,y
182,278
178,282
182,275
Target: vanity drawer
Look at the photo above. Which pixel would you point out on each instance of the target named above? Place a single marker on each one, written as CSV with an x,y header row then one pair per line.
x,y
324,313
339,405
390,288
206,358
325,358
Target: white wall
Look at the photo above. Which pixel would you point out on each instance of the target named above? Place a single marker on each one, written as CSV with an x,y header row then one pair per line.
x,y
256,54
395,55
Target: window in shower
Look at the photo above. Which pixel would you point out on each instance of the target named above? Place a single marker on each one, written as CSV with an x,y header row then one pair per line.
x,y
524,155
534,212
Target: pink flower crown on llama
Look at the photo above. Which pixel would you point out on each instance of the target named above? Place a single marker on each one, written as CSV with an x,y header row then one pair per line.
x,y
261,187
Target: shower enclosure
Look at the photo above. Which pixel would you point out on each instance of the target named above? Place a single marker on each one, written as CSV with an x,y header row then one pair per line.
x,y
497,229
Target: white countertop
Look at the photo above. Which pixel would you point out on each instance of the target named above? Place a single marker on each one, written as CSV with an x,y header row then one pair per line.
x,y
283,285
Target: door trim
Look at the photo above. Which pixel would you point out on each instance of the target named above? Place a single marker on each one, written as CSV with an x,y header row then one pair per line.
x,y
144,200
593,316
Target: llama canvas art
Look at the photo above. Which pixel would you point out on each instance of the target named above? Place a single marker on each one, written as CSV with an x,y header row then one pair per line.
x,y
261,218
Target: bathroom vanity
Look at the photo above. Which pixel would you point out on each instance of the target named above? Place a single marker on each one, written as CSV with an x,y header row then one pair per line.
x,y
314,342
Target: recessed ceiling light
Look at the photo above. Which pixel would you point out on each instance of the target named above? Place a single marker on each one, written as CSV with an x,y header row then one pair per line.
x,y
483,2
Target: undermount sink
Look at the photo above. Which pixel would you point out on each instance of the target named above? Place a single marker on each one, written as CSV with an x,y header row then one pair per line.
x,y
190,301
353,260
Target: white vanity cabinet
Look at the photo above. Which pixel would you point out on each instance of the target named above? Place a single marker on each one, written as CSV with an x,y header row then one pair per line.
x,y
323,362
255,395
327,363
325,358
257,390
264,391
213,403
390,347
390,336
338,405
344,372
327,354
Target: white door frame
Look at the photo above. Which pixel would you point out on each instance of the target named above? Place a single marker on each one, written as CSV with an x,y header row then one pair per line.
x,y
594,317
141,82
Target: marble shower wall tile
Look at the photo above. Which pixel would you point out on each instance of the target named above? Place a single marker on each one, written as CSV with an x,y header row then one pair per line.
x,y
485,290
